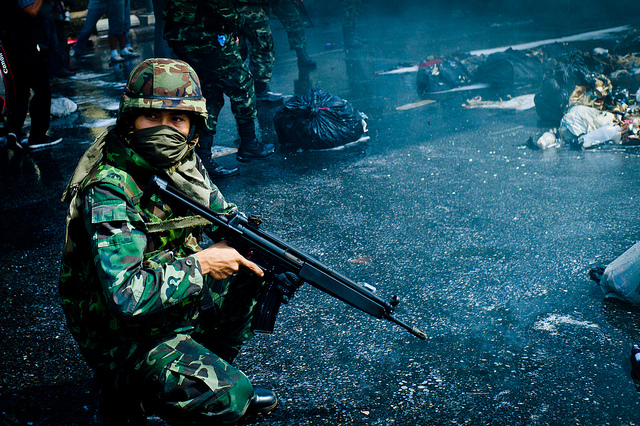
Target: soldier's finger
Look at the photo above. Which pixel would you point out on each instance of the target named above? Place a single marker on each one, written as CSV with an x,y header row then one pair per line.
x,y
253,267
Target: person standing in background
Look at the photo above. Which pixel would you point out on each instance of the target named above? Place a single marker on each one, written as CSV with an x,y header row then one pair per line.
x,y
203,34
115,10
349,20
289,15
20,27
256,43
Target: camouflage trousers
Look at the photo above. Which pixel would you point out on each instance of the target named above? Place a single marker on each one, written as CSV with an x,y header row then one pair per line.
x,y
256,42
188,379
222,71
289,16
350,16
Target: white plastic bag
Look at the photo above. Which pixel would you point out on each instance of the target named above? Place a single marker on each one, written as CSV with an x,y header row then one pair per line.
x,y
61,107
601,135
582,119
621,278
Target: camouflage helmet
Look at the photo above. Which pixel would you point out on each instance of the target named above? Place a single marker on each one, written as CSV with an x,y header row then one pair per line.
x,y
160,83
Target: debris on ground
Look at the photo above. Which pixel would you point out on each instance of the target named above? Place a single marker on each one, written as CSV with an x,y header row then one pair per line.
x,y
519,103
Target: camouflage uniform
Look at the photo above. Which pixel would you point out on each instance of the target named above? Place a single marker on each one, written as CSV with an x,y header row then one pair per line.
x,y
255,31
350,16
202,33
153,328
289,16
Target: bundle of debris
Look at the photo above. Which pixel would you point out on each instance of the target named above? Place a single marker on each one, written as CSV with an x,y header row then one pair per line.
x,y
501,69
590,109
582,92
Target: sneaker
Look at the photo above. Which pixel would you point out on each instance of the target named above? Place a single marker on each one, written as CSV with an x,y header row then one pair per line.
x,y
43,142
14,142
115,57
128,52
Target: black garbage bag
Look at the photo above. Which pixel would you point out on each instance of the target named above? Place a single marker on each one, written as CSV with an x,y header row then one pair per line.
x,y
629,44
318,120
559,83
511,68
440,75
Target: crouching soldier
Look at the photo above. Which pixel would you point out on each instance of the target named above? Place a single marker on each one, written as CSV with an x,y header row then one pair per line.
x,y
158,318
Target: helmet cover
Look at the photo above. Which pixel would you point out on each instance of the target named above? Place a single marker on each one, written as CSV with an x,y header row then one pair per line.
x,y
164,84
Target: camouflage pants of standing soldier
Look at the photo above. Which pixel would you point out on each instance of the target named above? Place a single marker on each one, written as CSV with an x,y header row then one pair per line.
x,y
350,17
289,16
222,72
187,379
255,35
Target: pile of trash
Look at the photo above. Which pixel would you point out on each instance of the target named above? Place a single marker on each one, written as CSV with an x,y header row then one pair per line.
x,y
582,92
590,109
501,69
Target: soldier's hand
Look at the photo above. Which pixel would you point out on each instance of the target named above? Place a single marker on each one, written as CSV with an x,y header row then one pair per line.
x,y
221,261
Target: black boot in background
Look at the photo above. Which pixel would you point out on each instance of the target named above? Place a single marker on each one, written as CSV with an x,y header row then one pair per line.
x,y
250,147
304,60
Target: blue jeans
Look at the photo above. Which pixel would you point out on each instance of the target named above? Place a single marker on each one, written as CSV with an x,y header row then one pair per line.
x,y
118,12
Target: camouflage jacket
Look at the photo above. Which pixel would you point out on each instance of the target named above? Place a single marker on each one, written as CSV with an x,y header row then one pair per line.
x,y
201,20
123,285
198,20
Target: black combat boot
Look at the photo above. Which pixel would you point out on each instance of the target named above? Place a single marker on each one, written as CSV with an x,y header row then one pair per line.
x,y
203,149
263,401
250,147
304,60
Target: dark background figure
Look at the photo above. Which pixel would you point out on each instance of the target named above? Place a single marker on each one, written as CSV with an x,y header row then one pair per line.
x,y
161,48
289,15
256,43
53,12
119,24
349,21
22,31
209,45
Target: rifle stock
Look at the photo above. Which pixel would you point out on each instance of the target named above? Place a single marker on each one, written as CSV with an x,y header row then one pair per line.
x,y
273,254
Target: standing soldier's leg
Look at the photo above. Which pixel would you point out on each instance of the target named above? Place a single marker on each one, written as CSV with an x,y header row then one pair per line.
x,y
257,32
289,16
237,83
349,20
199,59
221,70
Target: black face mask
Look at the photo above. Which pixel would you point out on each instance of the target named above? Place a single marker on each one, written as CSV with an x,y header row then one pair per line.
x,y
162,146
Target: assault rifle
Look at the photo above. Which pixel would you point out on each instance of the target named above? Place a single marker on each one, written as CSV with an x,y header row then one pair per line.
x,y
272,255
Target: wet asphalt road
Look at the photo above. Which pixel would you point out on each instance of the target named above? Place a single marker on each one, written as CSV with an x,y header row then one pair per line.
x,y
487,242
